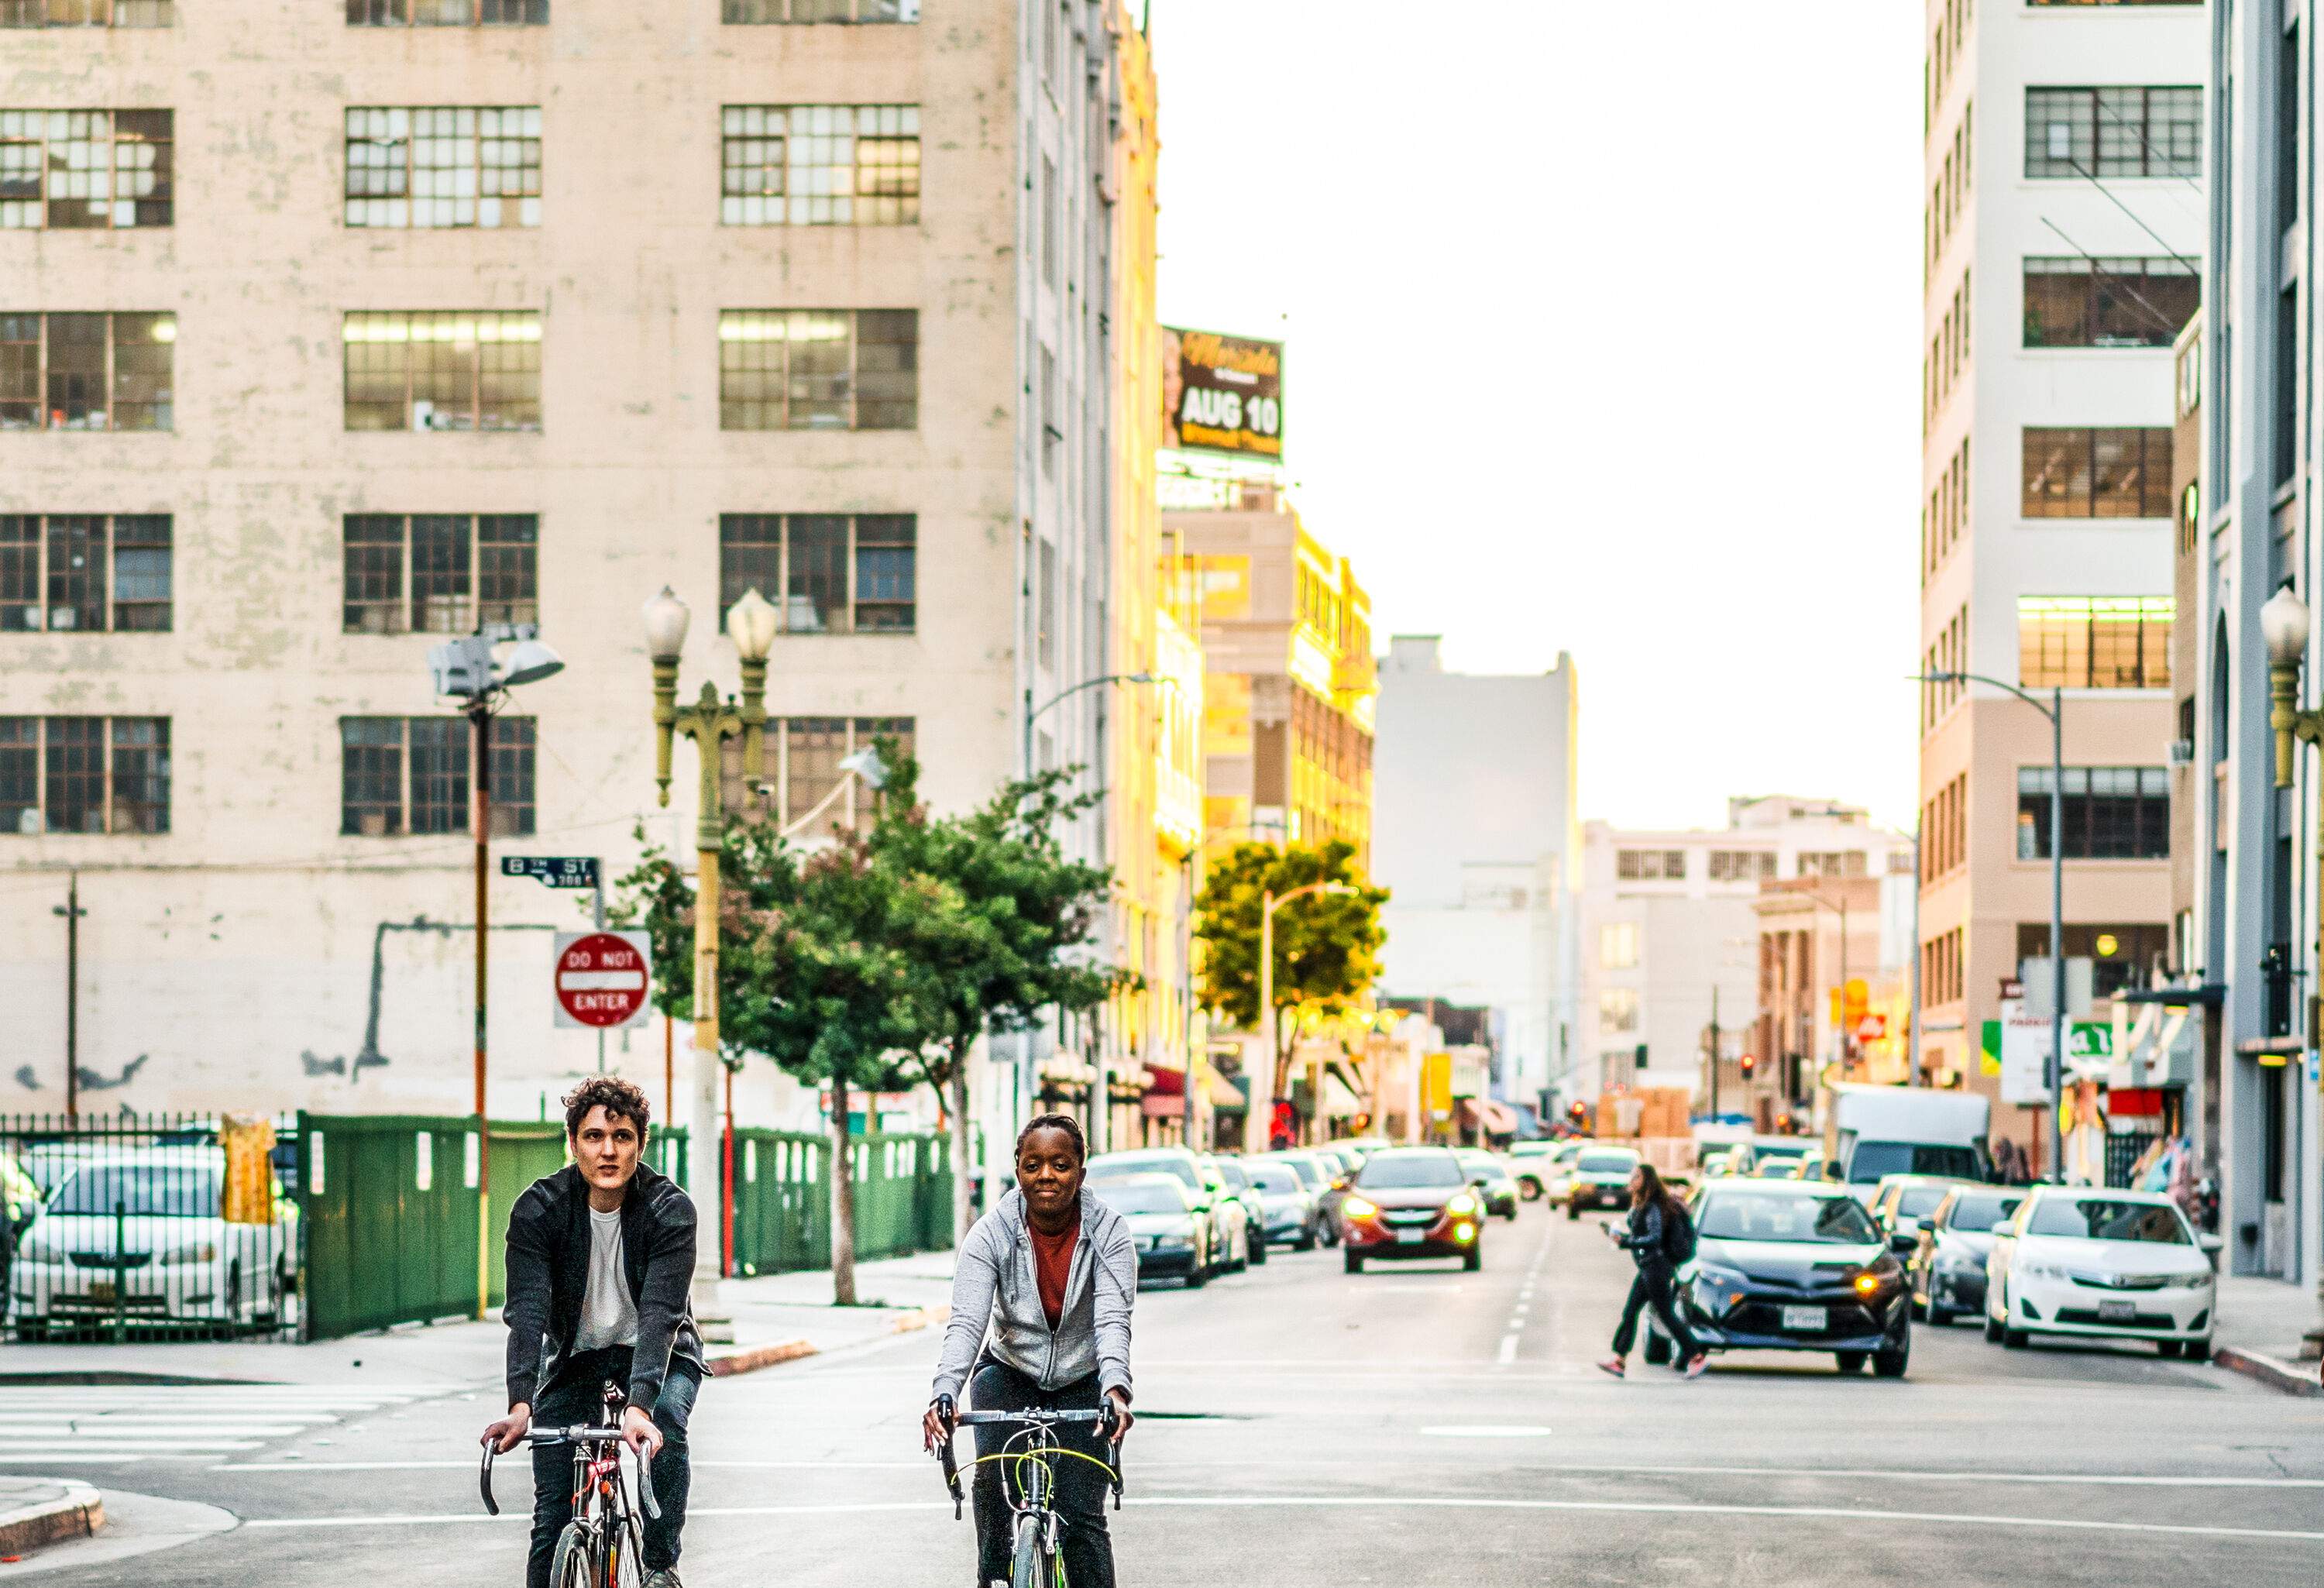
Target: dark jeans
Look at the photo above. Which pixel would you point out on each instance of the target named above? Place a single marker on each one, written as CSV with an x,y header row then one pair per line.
x,y
574,1397
1652,1287
1082,1489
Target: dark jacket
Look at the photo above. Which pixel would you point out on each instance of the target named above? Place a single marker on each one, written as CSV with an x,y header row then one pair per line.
x,y
548,1275
1644,1240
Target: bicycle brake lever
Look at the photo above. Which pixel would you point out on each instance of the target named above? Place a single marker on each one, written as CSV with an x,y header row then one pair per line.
x,y
484,1481
645,1488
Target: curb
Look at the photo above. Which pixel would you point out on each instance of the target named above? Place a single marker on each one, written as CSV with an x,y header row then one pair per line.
x,y
78,1513
768,1356
2274,1373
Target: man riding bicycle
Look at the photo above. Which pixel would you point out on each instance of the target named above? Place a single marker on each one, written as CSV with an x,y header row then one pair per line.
x,y
600,1259
1041,1299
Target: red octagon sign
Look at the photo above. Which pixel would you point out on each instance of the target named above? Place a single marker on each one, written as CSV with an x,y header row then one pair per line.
x,y
602,978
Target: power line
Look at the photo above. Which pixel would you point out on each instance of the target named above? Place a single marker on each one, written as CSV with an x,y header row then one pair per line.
x,y
2159,318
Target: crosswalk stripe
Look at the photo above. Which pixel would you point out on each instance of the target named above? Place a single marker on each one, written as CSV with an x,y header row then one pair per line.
x,y
123,1424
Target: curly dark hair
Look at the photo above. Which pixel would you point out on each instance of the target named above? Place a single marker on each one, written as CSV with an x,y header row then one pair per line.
x,y
620,1100
1071,1126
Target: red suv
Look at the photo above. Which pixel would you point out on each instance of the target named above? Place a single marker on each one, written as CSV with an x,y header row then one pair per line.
x,y
1412,1202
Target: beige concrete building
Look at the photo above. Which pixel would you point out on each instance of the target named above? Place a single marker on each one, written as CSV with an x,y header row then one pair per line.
x,y
364,331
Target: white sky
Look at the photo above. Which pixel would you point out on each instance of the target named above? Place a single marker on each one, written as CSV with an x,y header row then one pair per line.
x,y
1603,326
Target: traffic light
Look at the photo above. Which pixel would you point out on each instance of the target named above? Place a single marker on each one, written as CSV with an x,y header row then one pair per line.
x,y
1750,1065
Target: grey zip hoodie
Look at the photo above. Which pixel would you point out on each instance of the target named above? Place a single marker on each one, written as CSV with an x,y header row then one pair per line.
x,y
996,1302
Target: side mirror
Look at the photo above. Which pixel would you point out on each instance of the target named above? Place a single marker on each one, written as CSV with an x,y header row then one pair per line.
x,y
2210,1242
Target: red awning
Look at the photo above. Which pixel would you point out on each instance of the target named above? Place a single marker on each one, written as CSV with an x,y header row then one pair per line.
x,y
1165,1082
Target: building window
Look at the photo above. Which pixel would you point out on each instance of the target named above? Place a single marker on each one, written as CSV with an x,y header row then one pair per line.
x,y
443,166
85,169
2110,813
1618,946
2075,473
82,572
1618,1009
456,370
819,369
86,13
446,13
1650,865
410,775
2108,302
1831,862
820,166
802,768
826,573
1741,866
801,11
86,372
2120,956
83,774
2120,132
2094,641
439,573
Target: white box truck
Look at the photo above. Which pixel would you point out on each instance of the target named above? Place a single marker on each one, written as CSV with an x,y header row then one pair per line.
x,y
1876,1131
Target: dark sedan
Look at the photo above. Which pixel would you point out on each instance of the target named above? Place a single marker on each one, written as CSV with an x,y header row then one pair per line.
x,y
1792,1266
1947,1267
1412,1202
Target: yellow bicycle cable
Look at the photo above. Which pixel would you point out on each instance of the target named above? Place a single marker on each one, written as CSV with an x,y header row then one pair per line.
x,y
1037,1455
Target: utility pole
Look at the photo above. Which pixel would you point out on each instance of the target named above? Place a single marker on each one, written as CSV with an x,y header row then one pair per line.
x,y
480,777
72,912
1714,1049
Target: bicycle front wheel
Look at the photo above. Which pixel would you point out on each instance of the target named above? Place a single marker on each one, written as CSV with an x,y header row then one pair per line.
x,y
575,1564
1031,1567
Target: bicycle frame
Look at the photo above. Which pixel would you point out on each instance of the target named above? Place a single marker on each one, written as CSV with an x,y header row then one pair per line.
x,y
600,1502
1029,1454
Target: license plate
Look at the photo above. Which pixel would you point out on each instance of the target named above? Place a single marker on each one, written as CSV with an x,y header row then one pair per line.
x,y
2117,1312
1811,1320
1409,1237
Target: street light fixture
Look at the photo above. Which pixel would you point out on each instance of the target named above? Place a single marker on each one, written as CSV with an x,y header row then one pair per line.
x,y
1033,712
2053,1071
1253,1139
464,670
709,722
2283,628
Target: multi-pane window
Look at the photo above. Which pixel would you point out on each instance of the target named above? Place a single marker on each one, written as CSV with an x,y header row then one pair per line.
x,y
85,169
802,767
449,370
86,371
439,573
2109,812
1618,1009
2094,641
764,11
819,369
1741,866
826,573
446,13
1650,865
83,774
2120,956
86,13
2112,472
2108,302
820,166
1618,946
443,166
2121,132
1831,862
79,572
410,775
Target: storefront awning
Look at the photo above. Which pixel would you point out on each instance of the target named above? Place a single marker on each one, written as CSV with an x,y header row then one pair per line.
x,y
1158,1105
1340,1101
1495,1117
1224,1093
1165,1082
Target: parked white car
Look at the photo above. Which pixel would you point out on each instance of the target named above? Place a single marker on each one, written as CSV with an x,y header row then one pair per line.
x,y
2089,1261
176,1260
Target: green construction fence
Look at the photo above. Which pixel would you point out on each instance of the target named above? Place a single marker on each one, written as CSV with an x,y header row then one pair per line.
x,y
782,1198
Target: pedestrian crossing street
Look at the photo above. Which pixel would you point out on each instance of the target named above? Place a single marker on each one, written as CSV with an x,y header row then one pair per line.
x,y
117,1425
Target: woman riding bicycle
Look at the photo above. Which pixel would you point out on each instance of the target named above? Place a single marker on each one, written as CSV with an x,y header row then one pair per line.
x,y
1040,1318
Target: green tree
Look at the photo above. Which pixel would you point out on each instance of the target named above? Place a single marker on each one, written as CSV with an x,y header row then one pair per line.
x,y
1326,945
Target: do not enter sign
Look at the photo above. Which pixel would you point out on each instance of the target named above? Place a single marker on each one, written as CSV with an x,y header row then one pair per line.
x,y
602,978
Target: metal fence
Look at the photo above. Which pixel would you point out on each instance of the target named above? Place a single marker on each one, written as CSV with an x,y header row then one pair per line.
x,y
782,1198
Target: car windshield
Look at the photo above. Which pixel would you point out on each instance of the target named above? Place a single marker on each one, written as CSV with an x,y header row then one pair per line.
x,y
1918,1202
1606,1163
1977,1211
1231,1173
2101,1218
1876,1161
1532,1149
1274,1179
1177,1168
1414,1171
1772,1215
1489,1170
1138,1198
179,1191
1310,1173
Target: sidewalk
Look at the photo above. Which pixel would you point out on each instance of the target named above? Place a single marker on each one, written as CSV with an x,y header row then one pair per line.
x,y
777,1318
2260,1331
35,1512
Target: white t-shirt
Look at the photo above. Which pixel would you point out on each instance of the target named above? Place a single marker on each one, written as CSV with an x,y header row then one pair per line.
x,y
608,1315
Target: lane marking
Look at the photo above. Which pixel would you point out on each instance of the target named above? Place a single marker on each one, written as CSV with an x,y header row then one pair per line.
x,y
1354,1502
1489,1431
1508,1348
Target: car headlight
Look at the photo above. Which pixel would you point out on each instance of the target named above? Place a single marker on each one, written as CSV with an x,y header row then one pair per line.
x,y
189,1252
1463,1203
2033,1269
1720,1279
1358,1207
2187,1282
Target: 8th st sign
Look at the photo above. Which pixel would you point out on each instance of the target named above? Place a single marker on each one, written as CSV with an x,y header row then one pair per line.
x,y
602,979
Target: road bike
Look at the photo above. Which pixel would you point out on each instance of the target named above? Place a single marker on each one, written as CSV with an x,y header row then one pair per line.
x,y
1030,1482
601,1547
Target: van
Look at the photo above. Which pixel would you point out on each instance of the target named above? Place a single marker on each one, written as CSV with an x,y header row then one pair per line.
x,y
1874,1132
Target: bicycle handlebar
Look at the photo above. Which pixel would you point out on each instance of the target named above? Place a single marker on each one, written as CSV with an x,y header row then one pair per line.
x,y
579,1434
1103,1415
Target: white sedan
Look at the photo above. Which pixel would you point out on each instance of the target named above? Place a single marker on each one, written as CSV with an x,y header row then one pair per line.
x,y
140,1235
2086,1261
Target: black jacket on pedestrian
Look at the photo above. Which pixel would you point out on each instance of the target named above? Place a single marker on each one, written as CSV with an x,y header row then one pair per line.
x,y
548,1275
1644,1240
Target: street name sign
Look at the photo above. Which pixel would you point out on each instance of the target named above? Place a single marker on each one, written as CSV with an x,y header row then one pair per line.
x,y
555,871
602,979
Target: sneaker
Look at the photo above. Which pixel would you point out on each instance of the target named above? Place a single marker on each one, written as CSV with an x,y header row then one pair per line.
x,y
664,1578
1614,1365
1695,1364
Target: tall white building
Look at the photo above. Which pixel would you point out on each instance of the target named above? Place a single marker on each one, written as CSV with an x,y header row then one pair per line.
x,y
371,322
2064,236
1476,835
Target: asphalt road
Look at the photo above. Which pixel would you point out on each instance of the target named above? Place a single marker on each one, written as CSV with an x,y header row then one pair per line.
x,y
1308,1429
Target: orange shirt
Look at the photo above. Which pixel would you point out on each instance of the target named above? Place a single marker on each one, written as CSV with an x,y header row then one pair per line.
x,y
1053,1260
